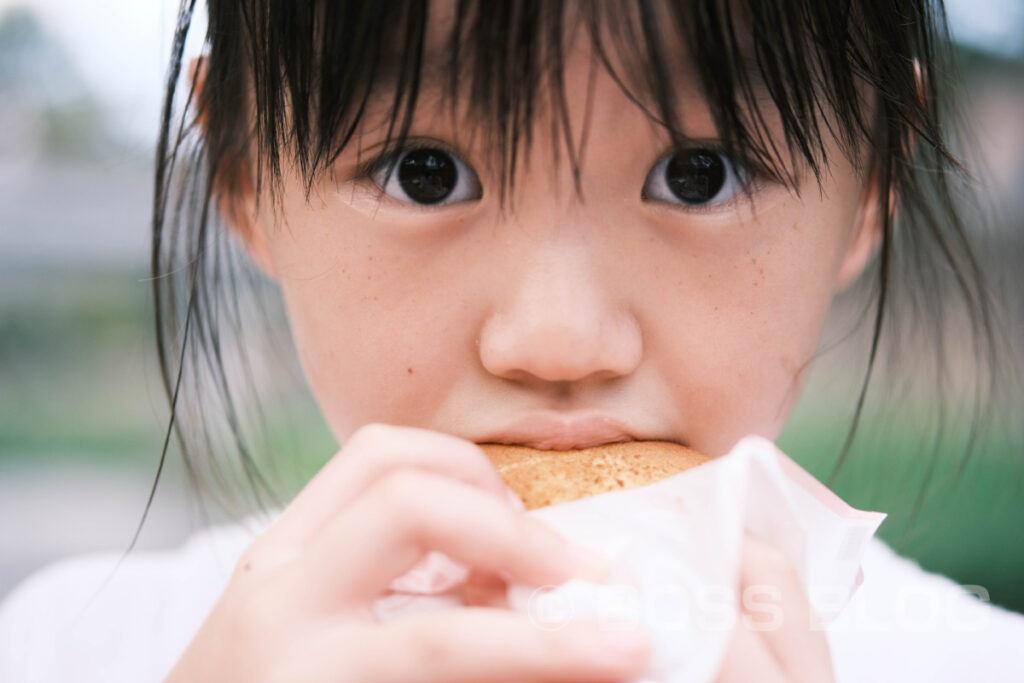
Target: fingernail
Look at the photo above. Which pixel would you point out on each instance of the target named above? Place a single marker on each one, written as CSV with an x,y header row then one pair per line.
x,y
514,500
586,563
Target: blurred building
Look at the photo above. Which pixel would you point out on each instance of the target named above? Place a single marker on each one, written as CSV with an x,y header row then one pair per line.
x,y
70,188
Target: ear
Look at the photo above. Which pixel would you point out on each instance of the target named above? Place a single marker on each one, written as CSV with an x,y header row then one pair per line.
x,y
866,236
234,193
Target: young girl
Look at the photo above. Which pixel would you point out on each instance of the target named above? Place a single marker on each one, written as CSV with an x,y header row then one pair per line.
x,y
557,224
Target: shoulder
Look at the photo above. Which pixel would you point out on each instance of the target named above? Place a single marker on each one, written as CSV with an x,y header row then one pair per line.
x,y
907,624
101,617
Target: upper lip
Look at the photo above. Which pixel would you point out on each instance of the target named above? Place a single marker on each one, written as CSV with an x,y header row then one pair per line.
x,y
561,431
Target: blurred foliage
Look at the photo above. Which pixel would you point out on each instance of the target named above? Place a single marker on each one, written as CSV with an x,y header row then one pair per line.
x,y
974,62
20,36
74,347
956,511
41,89
75,130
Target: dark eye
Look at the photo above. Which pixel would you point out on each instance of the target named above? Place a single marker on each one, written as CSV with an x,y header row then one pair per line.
x,y
427,175
695,177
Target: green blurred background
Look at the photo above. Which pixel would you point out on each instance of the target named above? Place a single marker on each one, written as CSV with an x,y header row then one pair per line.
x,y
82,412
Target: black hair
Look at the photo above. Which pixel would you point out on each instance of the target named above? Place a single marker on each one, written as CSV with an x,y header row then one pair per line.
x,y
287,80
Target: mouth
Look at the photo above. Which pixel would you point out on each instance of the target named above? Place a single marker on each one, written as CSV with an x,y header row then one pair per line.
x,y
561,432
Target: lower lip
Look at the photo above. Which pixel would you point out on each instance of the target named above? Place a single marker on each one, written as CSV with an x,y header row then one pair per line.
x,y
548,433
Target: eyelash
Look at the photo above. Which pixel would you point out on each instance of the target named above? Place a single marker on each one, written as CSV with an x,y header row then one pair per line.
x,y
379,162
388,162
739,176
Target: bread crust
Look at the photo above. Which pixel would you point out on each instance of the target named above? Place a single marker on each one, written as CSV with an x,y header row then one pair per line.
x,y
542,478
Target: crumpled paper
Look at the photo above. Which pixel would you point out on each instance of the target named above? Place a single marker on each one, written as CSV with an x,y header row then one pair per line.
x,y
674,557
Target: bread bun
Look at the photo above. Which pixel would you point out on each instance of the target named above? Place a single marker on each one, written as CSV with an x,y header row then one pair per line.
x,y
542,478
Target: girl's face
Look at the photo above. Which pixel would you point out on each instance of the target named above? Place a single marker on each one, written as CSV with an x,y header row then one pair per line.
x,y
661,302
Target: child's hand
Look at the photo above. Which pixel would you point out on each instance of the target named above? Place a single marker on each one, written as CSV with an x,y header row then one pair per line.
x,y
778,637
299,605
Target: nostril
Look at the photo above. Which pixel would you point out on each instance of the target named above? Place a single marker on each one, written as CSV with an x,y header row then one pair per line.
x,y
521,349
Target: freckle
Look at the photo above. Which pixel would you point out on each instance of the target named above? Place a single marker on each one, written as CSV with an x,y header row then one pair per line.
x,y
761,270
409,370
716,308
753,261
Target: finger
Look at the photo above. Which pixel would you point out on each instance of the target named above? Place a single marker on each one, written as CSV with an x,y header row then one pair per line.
x,y
371,453
749,659
384,532
775,607
479,645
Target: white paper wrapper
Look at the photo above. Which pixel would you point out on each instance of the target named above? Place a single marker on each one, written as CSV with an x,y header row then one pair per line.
x,y
674,556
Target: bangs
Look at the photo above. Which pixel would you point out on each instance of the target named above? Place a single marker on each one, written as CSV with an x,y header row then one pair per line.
x,y
780,77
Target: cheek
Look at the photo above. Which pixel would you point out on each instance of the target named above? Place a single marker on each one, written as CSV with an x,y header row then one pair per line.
x,y
373,344
748,322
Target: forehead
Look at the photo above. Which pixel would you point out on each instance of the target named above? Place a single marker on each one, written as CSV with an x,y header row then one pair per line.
x,y
490,53
502,70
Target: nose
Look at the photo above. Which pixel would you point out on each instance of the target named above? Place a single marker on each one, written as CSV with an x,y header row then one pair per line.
x,y
559,322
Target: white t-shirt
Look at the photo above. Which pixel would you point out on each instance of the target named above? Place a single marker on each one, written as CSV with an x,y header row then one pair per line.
x,y
69,623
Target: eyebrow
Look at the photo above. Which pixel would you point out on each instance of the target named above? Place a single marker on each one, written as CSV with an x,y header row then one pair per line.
x,y
391,64
436,76
751,91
